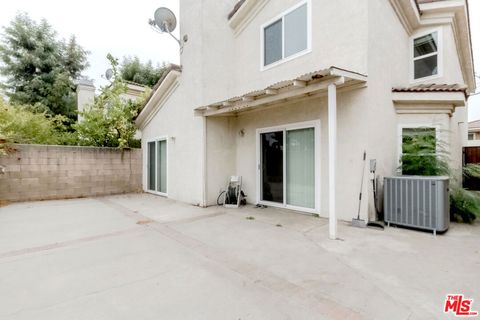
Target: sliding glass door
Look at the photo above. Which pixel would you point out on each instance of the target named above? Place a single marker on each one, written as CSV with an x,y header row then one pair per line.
x,y
287,168
157,166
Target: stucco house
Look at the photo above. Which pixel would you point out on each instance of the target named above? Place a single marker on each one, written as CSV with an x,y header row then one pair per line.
x,y
289,94
474,133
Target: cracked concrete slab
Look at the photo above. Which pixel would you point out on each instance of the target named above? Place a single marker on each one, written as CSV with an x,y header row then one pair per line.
x,y
100,259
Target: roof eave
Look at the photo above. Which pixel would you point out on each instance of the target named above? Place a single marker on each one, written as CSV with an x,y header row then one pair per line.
x,y
460,21
455,98
159,96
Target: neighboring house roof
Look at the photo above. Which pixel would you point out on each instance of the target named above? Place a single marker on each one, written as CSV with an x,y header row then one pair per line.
x,y
164,85
426,1
235,9
432,87
474,125
135,83
168,69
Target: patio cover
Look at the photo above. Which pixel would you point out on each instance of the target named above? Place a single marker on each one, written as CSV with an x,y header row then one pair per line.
x,y
308,85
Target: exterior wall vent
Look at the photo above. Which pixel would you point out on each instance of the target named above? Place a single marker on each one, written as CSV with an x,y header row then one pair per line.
x,y
419,202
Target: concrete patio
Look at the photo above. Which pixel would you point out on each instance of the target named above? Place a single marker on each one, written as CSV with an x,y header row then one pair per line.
x,y
139,256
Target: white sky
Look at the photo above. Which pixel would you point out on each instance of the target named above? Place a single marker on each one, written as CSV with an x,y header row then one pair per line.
x,y
117,27
121,28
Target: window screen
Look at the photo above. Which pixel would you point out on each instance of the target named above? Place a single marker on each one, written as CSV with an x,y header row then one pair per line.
x,y
162,166
296,31
273,42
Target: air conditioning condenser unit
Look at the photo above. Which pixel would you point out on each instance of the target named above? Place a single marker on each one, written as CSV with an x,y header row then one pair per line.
x,y
417,201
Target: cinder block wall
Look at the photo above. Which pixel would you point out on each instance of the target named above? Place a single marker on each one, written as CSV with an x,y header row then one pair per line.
x,y
40,172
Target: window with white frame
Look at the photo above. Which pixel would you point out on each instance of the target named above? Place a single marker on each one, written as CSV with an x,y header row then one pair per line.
x,y
286,36
426,55
157,166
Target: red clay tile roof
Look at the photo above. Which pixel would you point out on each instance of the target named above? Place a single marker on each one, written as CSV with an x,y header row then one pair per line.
x,y
432,87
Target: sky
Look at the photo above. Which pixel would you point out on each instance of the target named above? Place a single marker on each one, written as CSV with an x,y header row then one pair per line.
x,y
101,27
121,28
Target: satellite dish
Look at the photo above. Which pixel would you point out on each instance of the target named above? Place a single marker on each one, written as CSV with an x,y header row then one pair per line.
x,y
165,19
109,74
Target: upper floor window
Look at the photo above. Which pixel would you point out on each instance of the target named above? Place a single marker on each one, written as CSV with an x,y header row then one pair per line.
x,y
286,36
426,56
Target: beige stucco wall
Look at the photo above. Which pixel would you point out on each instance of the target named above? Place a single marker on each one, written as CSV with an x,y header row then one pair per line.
x,y
40,172
177,122
221,154
362,36
390,65
233,62
351,144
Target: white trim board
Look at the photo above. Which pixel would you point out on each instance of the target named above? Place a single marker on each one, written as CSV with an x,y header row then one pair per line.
x,y
416,125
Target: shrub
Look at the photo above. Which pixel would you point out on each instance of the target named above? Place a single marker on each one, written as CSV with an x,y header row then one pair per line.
x,y
424,155
464,205
20,125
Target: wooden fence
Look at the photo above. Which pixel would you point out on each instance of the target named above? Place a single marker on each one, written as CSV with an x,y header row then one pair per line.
x,y
471,155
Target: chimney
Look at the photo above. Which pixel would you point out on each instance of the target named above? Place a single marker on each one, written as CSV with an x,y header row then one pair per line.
x,y
85,94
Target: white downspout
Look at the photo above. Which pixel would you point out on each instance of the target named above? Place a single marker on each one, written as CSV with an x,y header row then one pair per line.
x,y
332,158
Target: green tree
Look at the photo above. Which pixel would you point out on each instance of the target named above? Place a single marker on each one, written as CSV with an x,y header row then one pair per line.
x,y
132,69
109,122
39,68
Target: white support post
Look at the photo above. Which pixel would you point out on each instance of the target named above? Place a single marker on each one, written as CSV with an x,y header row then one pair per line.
x,y
332,158
204,162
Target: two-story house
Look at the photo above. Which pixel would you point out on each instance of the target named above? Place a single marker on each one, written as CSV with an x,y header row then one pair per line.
x,y
290,94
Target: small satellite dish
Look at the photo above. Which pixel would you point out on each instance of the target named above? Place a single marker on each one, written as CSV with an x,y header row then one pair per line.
x,y
165,19
109,74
